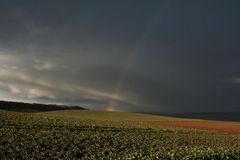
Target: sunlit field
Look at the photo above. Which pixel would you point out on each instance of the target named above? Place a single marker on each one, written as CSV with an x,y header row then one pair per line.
x,y
119,80
78,134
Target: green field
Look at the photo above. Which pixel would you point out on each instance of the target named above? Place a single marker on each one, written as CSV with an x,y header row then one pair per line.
x,y
83,134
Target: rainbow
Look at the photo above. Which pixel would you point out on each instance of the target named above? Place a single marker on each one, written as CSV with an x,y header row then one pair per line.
x,y
109,106
130,62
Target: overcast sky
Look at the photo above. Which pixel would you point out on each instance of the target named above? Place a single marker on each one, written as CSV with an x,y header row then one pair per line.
x,y
139,55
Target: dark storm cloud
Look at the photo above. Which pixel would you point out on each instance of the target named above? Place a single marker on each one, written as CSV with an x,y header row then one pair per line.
x,y
157,56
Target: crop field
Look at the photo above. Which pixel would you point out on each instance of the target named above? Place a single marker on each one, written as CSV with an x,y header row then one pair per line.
x,y
86,134
218,126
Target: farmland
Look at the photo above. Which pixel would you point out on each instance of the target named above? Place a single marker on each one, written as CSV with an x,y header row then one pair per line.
x,y
219,126
83,134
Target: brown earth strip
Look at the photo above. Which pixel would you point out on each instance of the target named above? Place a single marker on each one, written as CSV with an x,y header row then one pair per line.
x,y
219,126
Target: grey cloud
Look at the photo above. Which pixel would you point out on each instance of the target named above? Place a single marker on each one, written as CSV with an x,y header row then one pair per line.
x,y
159,56
28,84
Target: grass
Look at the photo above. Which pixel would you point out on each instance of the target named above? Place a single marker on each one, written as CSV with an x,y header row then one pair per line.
x,y
104,115
106,135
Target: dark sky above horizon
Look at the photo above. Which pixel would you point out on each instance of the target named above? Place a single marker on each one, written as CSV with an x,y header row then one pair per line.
x,y
138,55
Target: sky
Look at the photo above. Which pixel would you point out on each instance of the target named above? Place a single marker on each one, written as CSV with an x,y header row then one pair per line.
x,y
154,56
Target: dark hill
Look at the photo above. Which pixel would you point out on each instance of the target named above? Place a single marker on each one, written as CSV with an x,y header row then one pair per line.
x,y
222,116
34,107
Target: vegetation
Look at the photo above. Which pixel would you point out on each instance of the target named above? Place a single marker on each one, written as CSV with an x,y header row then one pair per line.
x,y
106,135
34,107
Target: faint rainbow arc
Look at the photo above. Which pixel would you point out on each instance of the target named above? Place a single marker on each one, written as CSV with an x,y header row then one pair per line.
x,y
130,60
132,56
